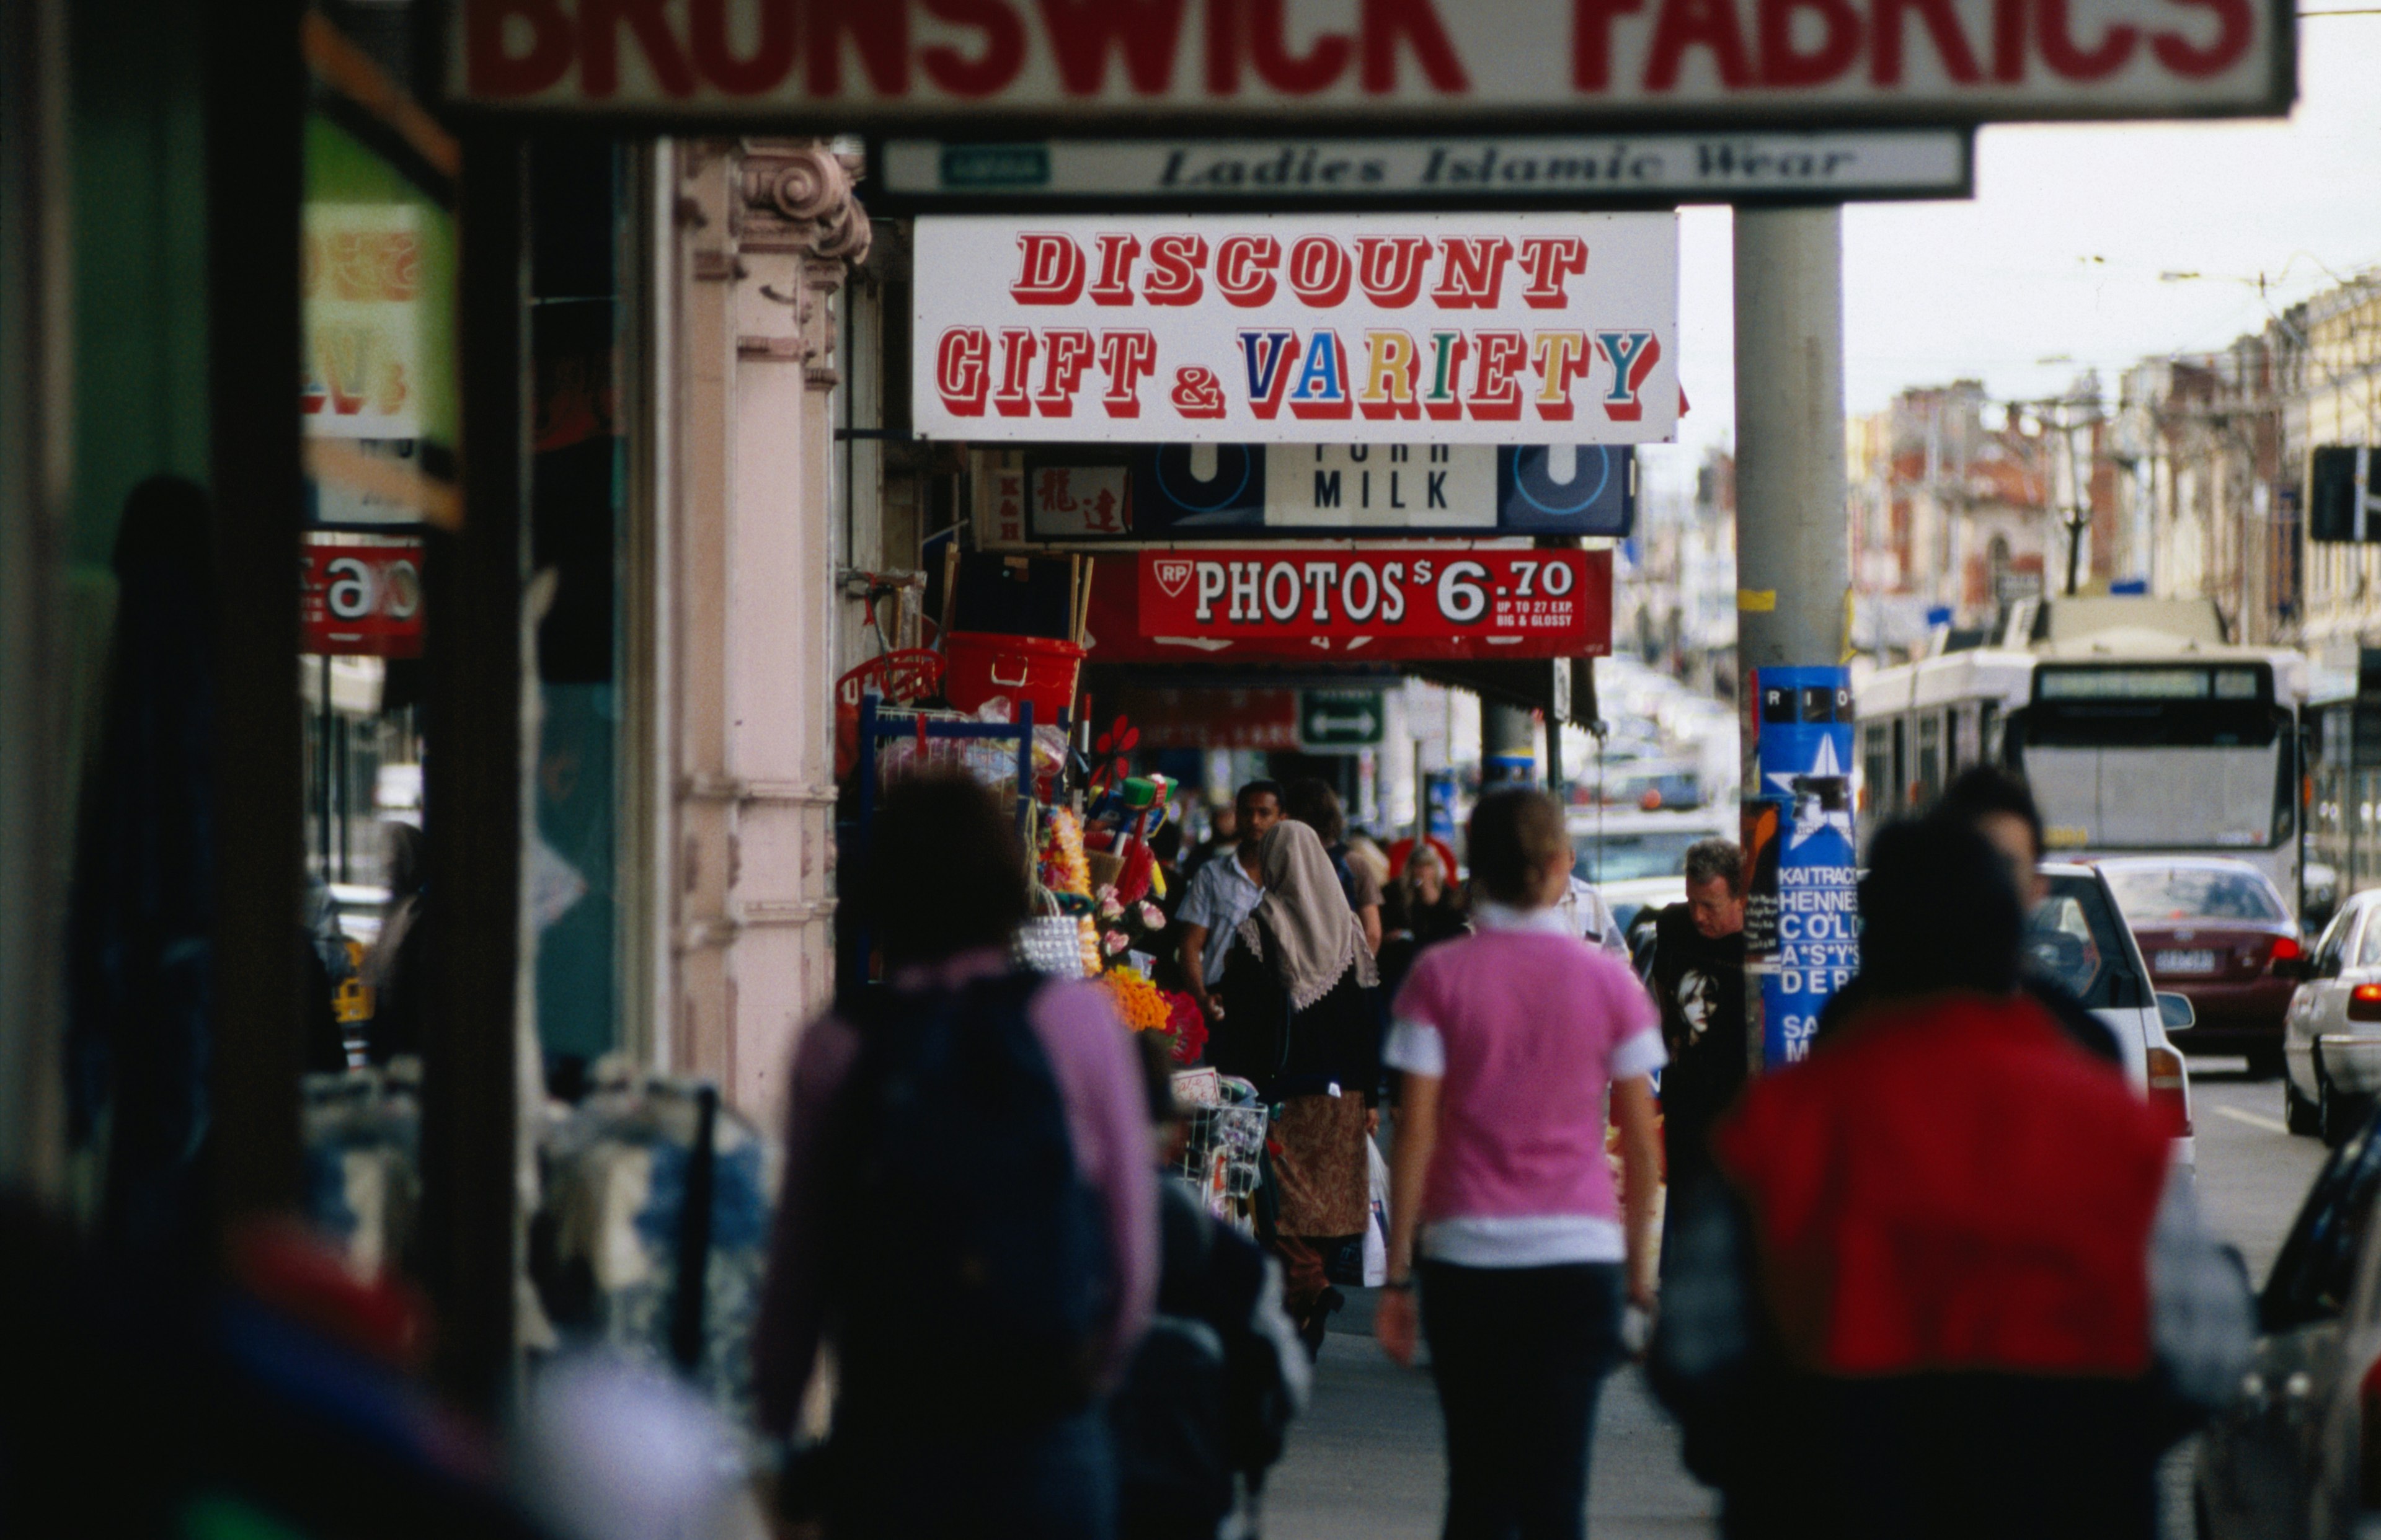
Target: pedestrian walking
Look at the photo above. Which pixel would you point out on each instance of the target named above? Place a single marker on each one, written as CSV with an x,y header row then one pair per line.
x,y
1696,971
967,1209
2000,807
1423,907
1222,893
1510,1042
1312,802
1203,1411
1301,1022
1945,1279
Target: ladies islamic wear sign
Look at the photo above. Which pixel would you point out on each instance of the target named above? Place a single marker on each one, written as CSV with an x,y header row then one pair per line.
x,y
1384,329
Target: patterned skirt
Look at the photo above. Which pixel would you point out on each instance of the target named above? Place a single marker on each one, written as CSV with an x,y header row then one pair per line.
x,y
1320,1166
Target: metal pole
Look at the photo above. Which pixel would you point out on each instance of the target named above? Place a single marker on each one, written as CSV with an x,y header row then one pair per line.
x,y
1793,562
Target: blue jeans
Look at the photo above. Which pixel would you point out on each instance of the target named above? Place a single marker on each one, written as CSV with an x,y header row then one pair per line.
x,y
1520,1355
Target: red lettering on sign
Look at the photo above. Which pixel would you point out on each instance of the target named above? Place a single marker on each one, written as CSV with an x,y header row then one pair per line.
x,y
2060,50
1128,358
599,39
1385,21
1051,272
1591,40
1320,271
2008,41
1017,346
1549,260
1174,264
1145,31
1244,269
1942,26
772,57
1065,351
961,375
1390,268
1114,285
880,31
2236,25
1684,24
493,71
1474,271
990,71
1325,61
1782,64
1496,394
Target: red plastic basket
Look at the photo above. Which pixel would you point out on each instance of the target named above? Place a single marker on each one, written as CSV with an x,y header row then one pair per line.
x,y
1035,669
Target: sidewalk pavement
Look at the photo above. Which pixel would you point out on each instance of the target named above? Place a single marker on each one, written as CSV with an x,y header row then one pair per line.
x,y
1366,1463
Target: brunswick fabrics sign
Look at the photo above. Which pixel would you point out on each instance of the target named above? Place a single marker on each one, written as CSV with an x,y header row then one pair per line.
x,y
1434,328
1362,604
1094,66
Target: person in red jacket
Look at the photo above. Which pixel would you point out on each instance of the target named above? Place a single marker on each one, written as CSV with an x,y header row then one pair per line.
x,y
1945,1279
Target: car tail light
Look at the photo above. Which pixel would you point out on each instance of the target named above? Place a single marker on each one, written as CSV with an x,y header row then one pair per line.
x,y
2365,1003
2286,950
2170,1091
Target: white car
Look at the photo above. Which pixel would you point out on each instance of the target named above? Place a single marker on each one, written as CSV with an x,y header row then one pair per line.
x,y
2331,1031
2078,937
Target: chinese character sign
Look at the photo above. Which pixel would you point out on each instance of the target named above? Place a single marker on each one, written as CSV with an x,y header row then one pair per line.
x,y
362,279
1382,329
1801,919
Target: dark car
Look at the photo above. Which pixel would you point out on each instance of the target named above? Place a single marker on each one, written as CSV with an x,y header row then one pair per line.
x,y
2212,932
2296,1455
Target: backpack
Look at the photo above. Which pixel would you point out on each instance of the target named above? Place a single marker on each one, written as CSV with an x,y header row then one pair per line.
x,y
967,1271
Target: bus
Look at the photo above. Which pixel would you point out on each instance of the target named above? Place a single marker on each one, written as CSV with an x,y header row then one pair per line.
x,y
2135,741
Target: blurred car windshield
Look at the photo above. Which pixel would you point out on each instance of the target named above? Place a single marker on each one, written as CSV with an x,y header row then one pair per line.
x,y
1626,857
2074,938
2150,894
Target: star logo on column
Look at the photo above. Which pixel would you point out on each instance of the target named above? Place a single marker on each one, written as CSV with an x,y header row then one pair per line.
x,y
1811,812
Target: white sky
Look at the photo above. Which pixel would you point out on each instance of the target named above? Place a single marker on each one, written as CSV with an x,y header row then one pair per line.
x,y
2053,267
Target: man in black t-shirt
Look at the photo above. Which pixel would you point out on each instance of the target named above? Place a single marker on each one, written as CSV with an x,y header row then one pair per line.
x,y
1696,971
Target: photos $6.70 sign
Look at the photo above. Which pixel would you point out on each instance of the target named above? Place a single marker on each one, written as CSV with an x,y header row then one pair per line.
x,y
1438,328
1370,603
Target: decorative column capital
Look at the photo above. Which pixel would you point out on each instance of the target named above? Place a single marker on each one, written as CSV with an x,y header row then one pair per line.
x,y
798,198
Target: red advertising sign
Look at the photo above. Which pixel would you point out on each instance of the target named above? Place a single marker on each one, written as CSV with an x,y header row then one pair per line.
x,y
1360,604
1210,718
364,600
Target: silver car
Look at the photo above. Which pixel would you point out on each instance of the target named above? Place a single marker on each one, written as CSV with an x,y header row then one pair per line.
x,y
2331,1030
2078,937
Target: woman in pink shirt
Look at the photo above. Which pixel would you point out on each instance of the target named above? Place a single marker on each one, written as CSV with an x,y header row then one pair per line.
x,y
1508,1041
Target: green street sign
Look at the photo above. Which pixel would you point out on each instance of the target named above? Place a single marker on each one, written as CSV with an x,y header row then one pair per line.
x,y
1340,718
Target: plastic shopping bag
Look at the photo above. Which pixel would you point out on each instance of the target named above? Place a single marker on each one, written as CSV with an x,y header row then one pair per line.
x,y
1376,1232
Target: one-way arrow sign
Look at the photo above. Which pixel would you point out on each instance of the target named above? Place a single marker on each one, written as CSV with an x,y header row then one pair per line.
x,y
1340,719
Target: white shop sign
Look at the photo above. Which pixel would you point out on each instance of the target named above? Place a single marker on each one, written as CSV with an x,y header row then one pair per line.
x,y
1273,329
1500,171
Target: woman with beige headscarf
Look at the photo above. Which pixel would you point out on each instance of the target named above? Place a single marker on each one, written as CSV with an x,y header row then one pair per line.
x,y
1302,1019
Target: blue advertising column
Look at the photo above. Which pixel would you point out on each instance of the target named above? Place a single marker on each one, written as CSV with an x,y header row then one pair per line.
x,y
1802,923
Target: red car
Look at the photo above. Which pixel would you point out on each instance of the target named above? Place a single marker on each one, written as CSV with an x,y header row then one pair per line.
x,y
2212,931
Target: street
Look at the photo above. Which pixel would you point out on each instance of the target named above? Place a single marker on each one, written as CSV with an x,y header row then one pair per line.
x,y
1365,1463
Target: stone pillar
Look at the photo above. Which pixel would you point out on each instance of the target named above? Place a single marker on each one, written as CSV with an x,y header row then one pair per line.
x,y
765,231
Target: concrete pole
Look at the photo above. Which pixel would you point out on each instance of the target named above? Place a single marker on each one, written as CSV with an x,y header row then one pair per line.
x,y
1508,745
1792,563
